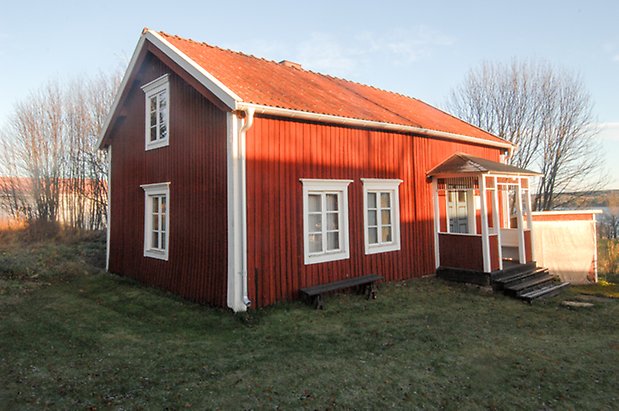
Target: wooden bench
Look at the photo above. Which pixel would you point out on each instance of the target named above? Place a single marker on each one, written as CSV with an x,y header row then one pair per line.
x,y
315,293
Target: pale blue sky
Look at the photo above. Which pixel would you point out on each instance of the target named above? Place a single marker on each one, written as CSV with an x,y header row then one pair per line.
x,y
421,49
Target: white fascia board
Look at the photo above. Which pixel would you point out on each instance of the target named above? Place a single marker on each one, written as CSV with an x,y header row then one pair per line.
x,y
567,212
329,118
123,84
227,96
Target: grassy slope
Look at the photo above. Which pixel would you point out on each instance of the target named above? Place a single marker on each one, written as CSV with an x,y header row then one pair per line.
x,y
98,340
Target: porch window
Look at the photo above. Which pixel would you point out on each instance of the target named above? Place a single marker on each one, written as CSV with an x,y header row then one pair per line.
x,y
156,220
381,215
157,113
325,220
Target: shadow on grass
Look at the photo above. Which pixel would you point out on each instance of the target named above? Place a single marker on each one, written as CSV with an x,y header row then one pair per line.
x,y
99,340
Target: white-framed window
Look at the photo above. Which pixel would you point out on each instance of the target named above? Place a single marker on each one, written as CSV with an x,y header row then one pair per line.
x,y
157,113
325,220
156,220
381,215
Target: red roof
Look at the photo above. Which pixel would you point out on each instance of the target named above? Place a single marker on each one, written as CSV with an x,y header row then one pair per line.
x,y
268,83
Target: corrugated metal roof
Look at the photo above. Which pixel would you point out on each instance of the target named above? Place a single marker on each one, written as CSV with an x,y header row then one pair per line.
x,y
269,83
461,163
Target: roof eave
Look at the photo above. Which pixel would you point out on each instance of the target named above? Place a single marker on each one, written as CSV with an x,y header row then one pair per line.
x,y
329,118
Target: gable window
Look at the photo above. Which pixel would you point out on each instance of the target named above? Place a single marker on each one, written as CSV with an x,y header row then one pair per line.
x,y
325,220
157,113
381,215
156,220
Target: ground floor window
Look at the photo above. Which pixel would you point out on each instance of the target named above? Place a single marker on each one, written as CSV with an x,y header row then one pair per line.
x,y
381,205
325,220
156,220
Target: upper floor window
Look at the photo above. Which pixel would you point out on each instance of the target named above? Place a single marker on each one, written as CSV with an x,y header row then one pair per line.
x,y
381,205
156,220
157,94
325,220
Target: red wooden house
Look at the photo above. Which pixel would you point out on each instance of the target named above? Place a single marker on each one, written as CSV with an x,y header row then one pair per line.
x,y
234,179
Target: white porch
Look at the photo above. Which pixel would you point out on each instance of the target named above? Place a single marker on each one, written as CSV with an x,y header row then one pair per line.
x,y
482,215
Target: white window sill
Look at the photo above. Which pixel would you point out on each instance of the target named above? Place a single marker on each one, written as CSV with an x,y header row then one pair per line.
x,y
380,248
157,254
157,144
326,257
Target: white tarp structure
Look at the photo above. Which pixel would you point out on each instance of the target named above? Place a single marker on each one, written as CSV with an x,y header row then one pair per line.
x,y
566,244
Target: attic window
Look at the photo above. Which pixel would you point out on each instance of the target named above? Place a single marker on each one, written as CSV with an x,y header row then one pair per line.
x,y
157,113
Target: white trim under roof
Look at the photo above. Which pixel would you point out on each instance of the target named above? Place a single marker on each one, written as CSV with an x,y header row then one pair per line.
x,y
567,212
328,118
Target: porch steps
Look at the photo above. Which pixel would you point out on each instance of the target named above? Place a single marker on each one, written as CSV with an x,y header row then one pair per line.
x,y
527,282
513,274
546,291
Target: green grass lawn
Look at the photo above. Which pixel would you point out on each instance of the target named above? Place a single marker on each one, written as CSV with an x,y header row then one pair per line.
x,y
74,337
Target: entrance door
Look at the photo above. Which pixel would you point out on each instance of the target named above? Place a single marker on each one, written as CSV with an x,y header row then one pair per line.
x,y
458,212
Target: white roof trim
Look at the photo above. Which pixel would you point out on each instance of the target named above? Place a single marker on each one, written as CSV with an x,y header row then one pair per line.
x,y
207,79
329,118
567,212
122,86
227,96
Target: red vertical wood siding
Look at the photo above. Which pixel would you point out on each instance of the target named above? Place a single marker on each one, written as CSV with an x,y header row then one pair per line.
x,y
461,251
280,152
195,165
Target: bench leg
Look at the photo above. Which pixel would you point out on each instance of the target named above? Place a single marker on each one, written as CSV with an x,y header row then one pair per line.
x,y
318,302
370,291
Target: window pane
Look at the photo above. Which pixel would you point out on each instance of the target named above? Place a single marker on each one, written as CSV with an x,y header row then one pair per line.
x,y
373,235
163,101
153,104
154,240
314,203
315,243
163,204
333,241
155,222
163,243
163,223
163,130
385,217
371,200
461,196
372,218
153,133
155,202
333,221
332,202
314,223
386,237
153,118
385,200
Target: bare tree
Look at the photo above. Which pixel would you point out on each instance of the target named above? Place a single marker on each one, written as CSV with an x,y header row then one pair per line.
x,y
609,221
34,149
544,111
50,153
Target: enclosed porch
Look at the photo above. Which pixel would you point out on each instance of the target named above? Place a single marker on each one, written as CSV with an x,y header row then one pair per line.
x,y
482,218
